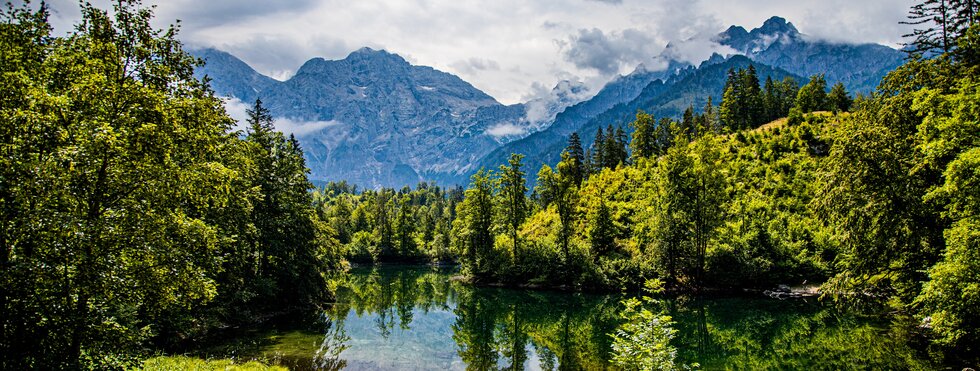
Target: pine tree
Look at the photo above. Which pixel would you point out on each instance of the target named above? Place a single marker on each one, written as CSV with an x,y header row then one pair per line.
x,y
598,151
812,96
662,136
770,100
612,151
742,103
620,154
688,123
938,27
404,228
574,150
602,231
730,102
643,144
754,114
838,99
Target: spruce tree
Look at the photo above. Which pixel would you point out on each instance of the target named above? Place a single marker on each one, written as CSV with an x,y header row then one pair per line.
x,y
643,144
574,150
602,231
598,151
812,96
838,99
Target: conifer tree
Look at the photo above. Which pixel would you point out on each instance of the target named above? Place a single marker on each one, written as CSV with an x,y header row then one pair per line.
x,y
574,150
643,144
598,151
838,99
937,32
602,231
812,96
688,123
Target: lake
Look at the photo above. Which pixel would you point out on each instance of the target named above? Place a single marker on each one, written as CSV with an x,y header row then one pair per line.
x,y
406,318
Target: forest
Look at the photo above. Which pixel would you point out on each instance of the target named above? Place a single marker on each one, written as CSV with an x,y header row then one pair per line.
x,y
134,218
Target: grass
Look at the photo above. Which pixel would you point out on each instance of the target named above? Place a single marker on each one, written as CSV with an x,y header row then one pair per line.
x,y
168,363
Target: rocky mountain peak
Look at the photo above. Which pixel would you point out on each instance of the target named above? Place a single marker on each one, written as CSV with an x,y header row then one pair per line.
x,y
776,26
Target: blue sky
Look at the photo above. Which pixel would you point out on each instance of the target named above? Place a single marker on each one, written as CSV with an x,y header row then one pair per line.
x,y
512,49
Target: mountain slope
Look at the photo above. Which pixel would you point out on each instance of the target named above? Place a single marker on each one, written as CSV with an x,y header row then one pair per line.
x,y
778,43
776,47
658,98
373,118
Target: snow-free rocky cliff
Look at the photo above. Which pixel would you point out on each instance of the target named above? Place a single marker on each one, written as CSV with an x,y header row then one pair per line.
x,y
376,120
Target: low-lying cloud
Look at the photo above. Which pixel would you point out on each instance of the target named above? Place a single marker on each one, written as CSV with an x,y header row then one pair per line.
x,y
506,130
238,110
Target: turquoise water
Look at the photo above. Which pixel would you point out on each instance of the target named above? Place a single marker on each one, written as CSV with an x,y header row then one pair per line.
x,y
401,318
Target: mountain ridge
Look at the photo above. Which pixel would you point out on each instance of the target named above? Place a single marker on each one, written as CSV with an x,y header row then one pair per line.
x,y
396,124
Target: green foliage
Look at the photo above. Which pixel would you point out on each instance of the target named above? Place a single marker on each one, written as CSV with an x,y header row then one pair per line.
x,y
813,96
838,100
128,212
742,101
644,142
187,363
474,226
949,140
410,225
513,190
642,342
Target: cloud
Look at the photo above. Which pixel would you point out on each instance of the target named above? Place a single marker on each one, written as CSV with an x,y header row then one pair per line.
x,y
543,104
595,39
506,130
608,53
475,65
302,128
238,111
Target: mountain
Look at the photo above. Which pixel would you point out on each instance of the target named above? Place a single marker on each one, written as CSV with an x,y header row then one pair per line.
x,y
692,87
778,43
376,120
776,49
373,118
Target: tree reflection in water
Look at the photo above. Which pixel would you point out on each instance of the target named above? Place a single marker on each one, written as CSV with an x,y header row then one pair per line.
x,y
418,318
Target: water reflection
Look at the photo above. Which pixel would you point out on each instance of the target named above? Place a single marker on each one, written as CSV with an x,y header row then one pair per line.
x,y
418,318
485,328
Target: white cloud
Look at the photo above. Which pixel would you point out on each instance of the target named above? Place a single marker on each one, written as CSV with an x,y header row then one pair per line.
x,y
238,111
506,130
516,42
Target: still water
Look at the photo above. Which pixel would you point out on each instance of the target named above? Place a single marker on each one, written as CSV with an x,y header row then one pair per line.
x,y
400,318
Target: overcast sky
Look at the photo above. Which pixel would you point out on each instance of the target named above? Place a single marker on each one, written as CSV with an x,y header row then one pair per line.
x,y
511,49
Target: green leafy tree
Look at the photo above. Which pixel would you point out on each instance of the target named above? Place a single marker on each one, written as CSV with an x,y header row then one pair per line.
x,y
642,342
112,173
475,227
513,190
559,189
949,138
812,96
839,100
